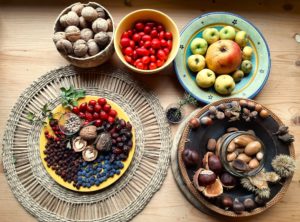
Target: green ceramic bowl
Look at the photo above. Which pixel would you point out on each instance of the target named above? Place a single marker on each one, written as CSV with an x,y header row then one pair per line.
x,y
250,85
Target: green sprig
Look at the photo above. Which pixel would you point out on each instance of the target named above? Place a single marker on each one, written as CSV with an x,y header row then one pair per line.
x,y
46,113
70,96
187,99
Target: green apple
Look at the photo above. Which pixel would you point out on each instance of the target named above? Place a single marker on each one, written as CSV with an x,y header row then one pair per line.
x,y
199,46
238,75
247,53
205,78
246,66
211,35
196,63
227,32
241,38
224,84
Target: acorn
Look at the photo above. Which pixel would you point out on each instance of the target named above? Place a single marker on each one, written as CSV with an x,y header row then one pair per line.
x,y
194,123
264,114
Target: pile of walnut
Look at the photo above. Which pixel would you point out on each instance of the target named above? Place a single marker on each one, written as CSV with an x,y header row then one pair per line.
x,y
85,31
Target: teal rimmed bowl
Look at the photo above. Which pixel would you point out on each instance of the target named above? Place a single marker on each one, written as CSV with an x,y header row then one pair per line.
x,y
250,85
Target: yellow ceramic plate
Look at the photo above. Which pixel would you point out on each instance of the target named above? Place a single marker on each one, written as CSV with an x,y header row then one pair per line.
x,y
109,181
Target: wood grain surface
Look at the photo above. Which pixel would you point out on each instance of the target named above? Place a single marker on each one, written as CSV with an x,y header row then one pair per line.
x,y
27,52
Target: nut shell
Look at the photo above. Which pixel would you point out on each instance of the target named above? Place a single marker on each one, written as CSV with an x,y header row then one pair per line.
x,y
109,24
213,190
93,48
79,144
58,36
100,25
83,23
89,154
63,20
88,133
80,48
77,8
89,13
64,46
72,33
72,18
86,34
102,39
101,13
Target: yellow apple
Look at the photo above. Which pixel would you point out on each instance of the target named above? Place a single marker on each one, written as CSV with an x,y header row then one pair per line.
x,y
211,35
246,66
196,63
227,32
205,78
241,38
224,84
238,75
247,53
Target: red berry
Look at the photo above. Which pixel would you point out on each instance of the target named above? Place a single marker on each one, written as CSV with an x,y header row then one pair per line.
x,y
90,109
159,63
92,102
98,122
88,116
82,107
136,37
154,33
160,28
145,60
111,119
75,110
125,42
152,51
150,24
142,52
124,35
137,61
139,26
86,122
128,51
57,139
152,66
147,29
141,43
128,59
155,43
134,56
132,44
140,65
146,38
161,35
163,43
106,108
141,34
161,54
113,113
152,58
96,116
82,115
167,51
102,101
147,44
103,115
129,32
97,108
169,43
168,35
46,132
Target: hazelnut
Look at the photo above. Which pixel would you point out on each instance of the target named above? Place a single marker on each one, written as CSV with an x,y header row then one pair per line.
x,y
77,8
243,103
58,36
102,39
82,23
101,13
231,156
88,133
264,114
72,18
93,48
206,121
211,144
63,20
253,163
64,46
72,33
194,123
251,105
80,48
86,34
109,24
89,13
244,157
258,107
100,25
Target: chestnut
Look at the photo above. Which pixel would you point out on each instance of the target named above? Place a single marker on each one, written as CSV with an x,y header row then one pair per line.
x,y
206,177
249,204
214,164
194,123
227,202
191,157
238,207
206,121
228,180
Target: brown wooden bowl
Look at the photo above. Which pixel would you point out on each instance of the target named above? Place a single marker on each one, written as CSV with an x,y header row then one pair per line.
x,y
197,139
91,61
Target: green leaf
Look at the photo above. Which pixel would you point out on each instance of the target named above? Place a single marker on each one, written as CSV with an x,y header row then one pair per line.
x,y
30,116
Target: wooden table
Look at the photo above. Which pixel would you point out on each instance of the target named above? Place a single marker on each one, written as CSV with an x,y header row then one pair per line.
x,y
27,52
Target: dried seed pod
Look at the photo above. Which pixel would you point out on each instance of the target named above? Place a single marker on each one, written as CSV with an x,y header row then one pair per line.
x,y
282,130
258,108
93,48
206,121
191,157
249,204
86,34
213,190
264,114
109,24
284,165
64,46
196,180
58,36
100,25
72,18
101,13
240,165
264,193
82,23
72,33
77,8
211,144
89,13
63,20
220,115
80,48
102,39
194,123
286,138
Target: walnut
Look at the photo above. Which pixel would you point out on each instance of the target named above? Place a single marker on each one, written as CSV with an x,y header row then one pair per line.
x,y
82,23
110,25
58,36
72,33
63,20
64,46
100,25
93,48
90,153
77,8
88,133
102,39
72,18
80,48
110,34
101,13
86,34
89,13
79,144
